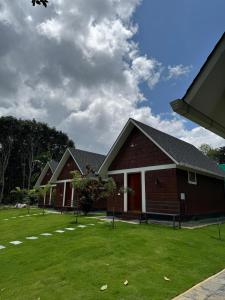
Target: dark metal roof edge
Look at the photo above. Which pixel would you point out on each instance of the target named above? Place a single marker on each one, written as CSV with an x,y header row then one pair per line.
x,y
204,66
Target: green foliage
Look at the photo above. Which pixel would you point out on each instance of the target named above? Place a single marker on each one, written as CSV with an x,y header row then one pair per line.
x,y
17,195
32,145
64,267
40,2
213,153
29,197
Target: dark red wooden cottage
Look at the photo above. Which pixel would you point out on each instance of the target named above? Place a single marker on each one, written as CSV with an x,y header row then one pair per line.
x,y
44,179
74,159
167,175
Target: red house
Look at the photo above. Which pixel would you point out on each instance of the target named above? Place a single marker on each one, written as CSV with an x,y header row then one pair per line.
x,y
74,159
44,179
167,175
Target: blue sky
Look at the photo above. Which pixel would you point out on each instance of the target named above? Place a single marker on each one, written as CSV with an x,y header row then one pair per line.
x,y
177,32
75,66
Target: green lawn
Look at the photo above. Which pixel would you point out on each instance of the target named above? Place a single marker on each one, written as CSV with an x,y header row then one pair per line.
x,y
75,264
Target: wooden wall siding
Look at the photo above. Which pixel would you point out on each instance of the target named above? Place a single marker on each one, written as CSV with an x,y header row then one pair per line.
x,y
119,200
69,166
100,204
161,191
47,177
59,195
207,197
68,194
138,151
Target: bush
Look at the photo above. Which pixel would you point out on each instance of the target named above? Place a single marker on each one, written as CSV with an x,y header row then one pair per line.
x,y
86,203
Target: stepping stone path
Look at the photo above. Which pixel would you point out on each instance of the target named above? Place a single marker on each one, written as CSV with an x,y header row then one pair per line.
x,y
32,238
70,228
2,247
16,242
46,234
81,226
59,231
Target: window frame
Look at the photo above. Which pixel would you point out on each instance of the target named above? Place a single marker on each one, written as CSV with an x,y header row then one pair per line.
x,y
191,181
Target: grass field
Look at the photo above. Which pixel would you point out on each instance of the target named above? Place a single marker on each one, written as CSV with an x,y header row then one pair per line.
x,y
75,264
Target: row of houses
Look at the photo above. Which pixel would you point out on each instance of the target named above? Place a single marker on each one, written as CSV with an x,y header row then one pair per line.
x,y
167,175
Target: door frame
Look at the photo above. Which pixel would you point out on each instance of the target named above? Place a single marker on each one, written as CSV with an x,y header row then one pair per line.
x,y
140,204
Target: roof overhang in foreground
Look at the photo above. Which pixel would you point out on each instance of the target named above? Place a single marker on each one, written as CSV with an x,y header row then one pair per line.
x,y
204,101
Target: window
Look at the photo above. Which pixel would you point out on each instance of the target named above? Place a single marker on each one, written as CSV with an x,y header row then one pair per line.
x,y
192,178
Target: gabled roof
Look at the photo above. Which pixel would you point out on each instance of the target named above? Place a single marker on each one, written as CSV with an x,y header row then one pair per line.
x,y
85,158
183,154
52,164
204,101
82,159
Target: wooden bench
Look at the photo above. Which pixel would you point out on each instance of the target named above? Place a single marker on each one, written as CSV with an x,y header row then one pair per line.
x,y
174,217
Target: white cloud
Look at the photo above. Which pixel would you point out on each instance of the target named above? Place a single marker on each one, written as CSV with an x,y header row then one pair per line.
x,y
178,71
76,66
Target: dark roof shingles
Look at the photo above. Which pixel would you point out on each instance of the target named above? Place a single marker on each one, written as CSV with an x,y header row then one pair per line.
x,y
85,158
53,165
182,152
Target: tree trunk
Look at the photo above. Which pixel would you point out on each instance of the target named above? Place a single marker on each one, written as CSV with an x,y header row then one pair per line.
x,y
5,154
30,165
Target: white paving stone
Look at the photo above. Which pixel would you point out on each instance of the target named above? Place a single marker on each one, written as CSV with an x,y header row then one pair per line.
x,y
2,247
91,224
21,216
70,228
16,242
6,219
59,231
46,234
13,217
31,237
81,226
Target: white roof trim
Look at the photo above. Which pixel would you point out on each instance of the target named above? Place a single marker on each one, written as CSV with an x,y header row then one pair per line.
x,y
42,175
129,122
61,164
76,162
180,165
101,169
199,170
151,139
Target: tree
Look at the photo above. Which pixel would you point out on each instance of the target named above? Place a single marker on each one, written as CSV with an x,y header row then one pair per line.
x,y
26,146
213,153
41,192
7,128
40,2
92,188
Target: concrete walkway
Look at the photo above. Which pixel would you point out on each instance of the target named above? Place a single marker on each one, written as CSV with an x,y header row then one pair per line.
x,y
212,288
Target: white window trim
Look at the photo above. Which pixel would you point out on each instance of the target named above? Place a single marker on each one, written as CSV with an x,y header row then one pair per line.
x,y
190,181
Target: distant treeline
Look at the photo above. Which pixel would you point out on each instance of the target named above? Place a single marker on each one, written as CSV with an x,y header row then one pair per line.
x,y
25,147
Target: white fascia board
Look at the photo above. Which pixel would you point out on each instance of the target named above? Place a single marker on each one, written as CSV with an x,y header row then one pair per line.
x,y
60,166
143,169
200,171
152,140
75,161
63,180
115,149
42,175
